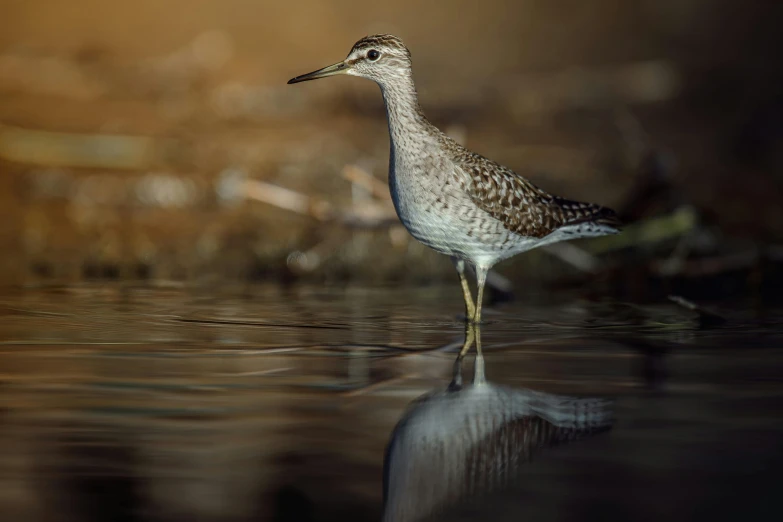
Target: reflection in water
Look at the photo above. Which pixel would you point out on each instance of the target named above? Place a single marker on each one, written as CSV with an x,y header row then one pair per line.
x,y
469,439
155,405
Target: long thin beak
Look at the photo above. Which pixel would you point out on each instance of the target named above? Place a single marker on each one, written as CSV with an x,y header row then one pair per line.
x,y
337,68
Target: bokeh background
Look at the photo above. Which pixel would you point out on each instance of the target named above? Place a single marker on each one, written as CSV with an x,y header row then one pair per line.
x,y
159,180
159,141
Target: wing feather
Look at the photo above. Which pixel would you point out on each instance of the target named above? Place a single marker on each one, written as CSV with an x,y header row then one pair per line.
x,y
521,206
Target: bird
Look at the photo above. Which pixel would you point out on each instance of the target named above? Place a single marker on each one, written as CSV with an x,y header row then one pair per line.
x,y
455,201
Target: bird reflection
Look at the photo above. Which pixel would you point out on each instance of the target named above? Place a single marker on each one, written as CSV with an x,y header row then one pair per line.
x,y
454,444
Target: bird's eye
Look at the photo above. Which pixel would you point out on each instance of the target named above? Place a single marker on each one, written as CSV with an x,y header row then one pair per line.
x,y
373,55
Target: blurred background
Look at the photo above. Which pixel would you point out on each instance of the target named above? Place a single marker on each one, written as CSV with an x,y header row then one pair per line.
x,y
159,141
178,226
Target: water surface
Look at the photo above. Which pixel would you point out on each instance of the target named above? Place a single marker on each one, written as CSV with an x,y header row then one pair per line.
x,y
277,404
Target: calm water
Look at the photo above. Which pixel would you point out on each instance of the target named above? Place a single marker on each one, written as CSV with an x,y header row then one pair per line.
x,y
168,404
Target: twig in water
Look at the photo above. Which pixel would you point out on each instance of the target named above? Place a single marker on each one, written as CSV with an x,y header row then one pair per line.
x,y
706,317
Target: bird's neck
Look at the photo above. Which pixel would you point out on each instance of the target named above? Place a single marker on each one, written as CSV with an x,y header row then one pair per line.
x,y
406,119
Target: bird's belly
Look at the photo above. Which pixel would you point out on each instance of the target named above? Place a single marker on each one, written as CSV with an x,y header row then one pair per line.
x,y
435,230
447,221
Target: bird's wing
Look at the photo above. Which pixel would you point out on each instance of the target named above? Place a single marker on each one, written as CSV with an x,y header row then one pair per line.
x,y
522,207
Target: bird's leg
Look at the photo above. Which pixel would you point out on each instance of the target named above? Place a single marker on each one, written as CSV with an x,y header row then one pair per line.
x,y
470,336
481,280
470,309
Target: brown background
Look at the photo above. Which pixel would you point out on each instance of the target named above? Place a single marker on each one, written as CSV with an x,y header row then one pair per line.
x,y
536,85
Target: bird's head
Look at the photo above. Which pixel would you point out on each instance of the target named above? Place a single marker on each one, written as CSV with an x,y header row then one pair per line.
x,y
381,58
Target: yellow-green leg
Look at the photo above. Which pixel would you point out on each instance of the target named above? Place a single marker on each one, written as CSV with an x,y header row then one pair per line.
x,y
470,335
470,309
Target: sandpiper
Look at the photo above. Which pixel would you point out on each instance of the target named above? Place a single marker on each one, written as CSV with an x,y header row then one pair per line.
x,y
453,200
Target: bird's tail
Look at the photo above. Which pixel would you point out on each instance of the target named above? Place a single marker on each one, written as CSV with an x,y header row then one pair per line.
x,y
608,217
577,212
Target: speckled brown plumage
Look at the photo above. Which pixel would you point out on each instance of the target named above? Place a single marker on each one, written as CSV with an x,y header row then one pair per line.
x,y
380,41
522,207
